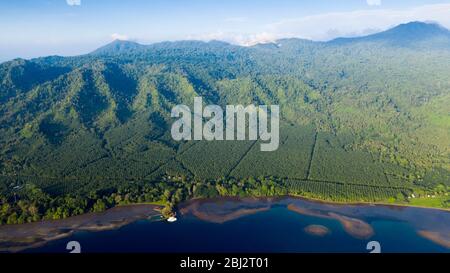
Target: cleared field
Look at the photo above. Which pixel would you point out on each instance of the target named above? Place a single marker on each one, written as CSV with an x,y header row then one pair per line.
x,y
290,160
312,164
332,162
344,192
59,160
214,159
135,166
170,168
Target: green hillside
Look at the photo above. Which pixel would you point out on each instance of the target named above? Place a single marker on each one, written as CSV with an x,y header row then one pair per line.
x,y
363,119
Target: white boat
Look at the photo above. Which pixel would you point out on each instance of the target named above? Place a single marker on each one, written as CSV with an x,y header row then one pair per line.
x,y
171,219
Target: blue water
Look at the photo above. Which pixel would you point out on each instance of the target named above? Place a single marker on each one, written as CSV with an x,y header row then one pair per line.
x,y
275,230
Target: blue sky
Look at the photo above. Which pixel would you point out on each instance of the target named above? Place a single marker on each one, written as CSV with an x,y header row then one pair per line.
x,y
31,28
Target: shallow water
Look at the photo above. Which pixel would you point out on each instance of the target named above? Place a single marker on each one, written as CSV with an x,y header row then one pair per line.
x,y
273,225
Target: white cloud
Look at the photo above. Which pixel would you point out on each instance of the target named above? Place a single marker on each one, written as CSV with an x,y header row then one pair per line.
x,y
259,38
373,2
236,19
117,36
236,38
73,2
344,24
326,26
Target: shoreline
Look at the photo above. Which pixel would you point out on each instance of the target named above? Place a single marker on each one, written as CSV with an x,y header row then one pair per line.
x,y
19,237
360,203
315,200
185,203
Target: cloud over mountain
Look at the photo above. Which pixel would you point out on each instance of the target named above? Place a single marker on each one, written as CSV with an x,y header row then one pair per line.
x,y
73,2
374,2
328,26
117,36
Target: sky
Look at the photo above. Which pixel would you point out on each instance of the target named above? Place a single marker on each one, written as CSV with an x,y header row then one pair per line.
x,y
33,28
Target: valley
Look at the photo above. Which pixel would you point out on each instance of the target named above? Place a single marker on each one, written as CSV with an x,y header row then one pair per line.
x,y
362,120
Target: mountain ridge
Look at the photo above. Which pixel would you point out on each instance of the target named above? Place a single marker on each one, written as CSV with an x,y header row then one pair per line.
x,y
406,34
358,122
403,34
425,40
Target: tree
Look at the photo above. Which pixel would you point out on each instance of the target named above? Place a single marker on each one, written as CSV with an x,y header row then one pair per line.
x,y
12,219
167,211
99,206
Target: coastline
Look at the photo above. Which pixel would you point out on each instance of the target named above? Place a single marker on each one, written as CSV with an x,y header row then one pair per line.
x,y
315,200
359,203
16,238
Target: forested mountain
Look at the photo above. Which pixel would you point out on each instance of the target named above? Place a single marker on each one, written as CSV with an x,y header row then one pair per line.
x,y
412,35
363,119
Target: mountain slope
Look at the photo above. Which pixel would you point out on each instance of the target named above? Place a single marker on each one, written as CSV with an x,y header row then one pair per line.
x,y
355,116
413,34
118,47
